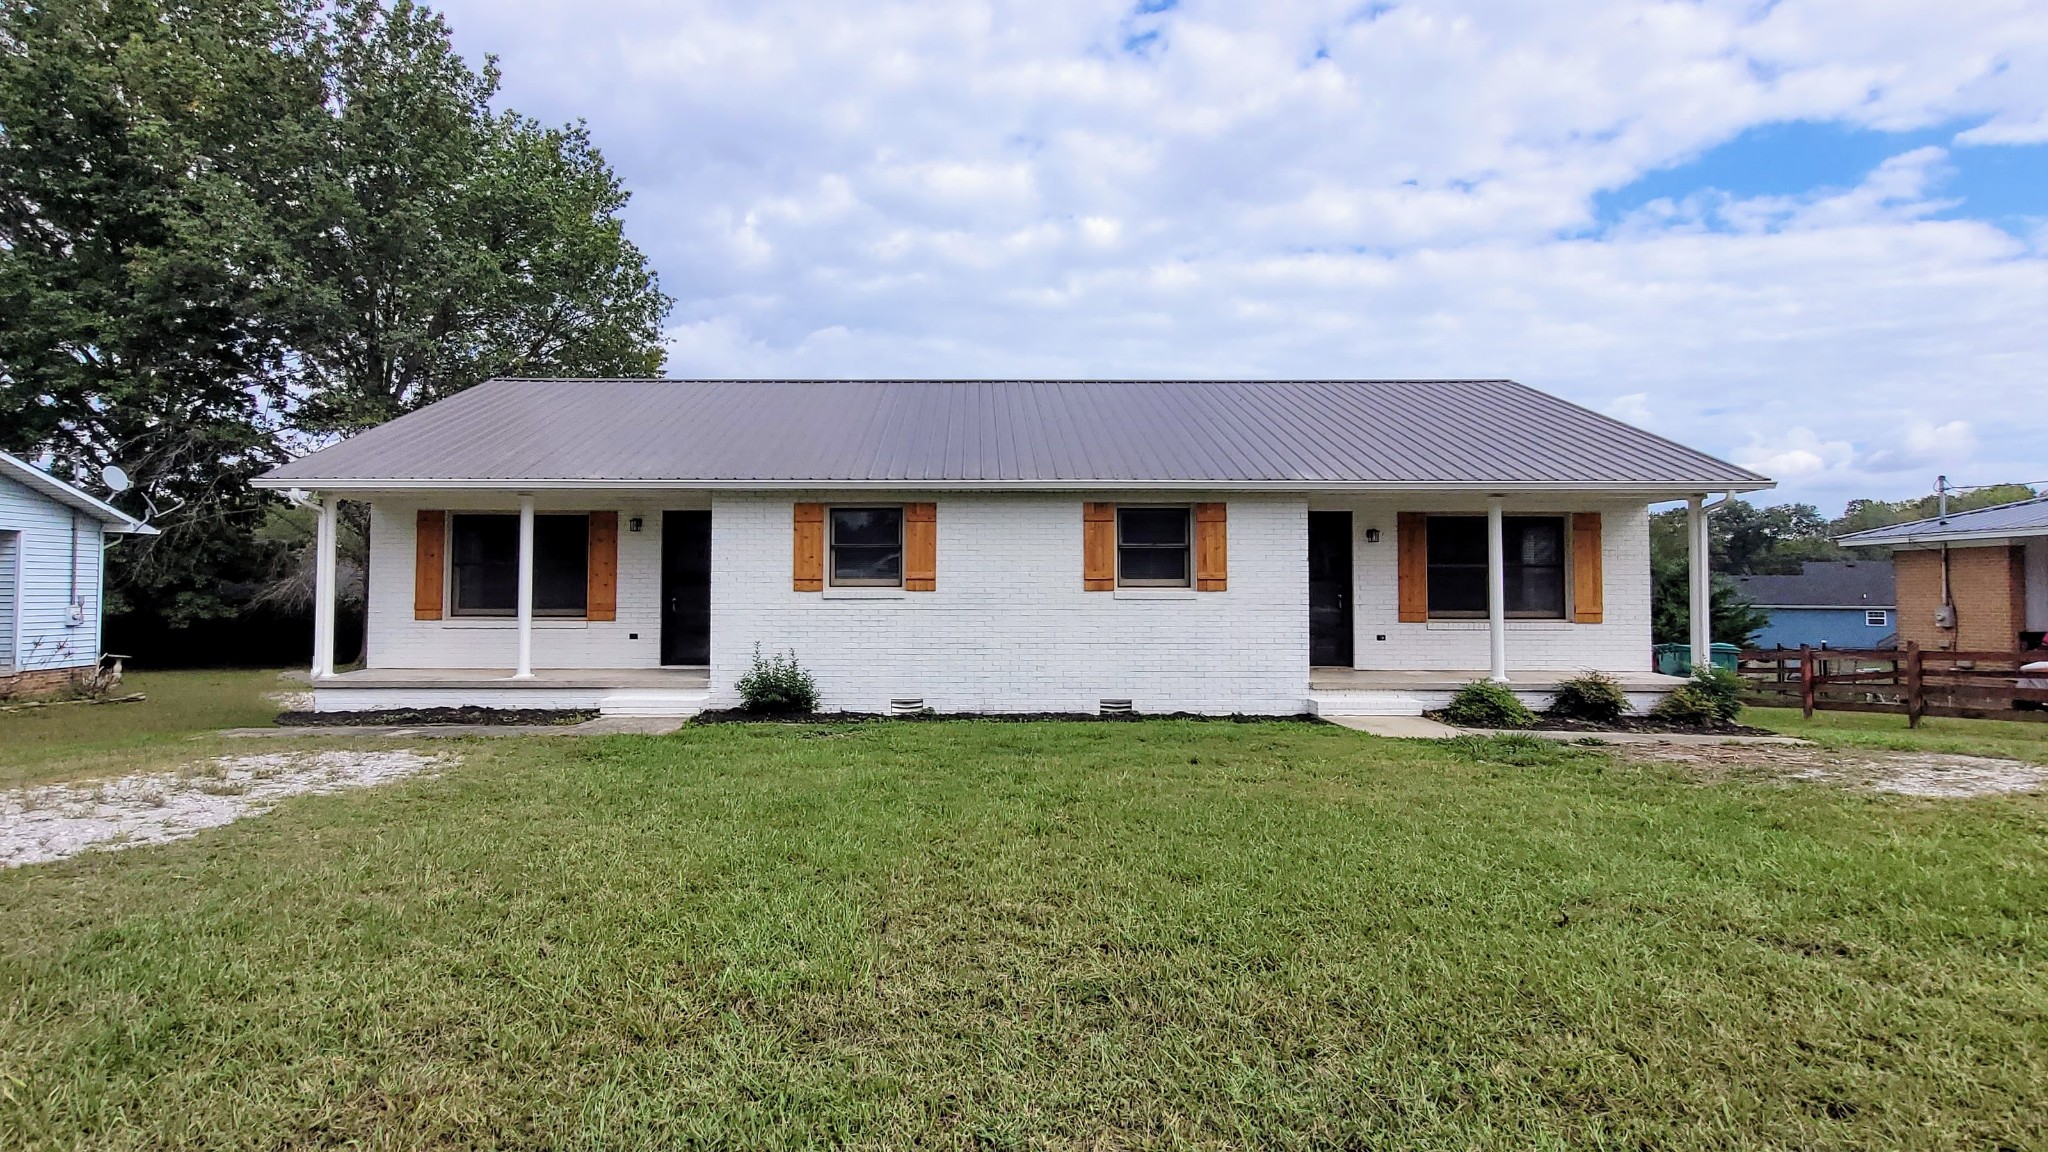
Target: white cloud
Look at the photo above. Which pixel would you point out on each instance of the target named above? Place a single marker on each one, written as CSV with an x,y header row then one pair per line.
x,y
1293,188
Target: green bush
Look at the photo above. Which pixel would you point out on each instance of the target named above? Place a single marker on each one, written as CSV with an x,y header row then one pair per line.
x,y
1720,685
1484,704
1595,697
778,684
1689,704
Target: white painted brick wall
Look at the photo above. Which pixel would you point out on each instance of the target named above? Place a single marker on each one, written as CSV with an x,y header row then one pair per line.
x,y
1009,628
399,641
1620,643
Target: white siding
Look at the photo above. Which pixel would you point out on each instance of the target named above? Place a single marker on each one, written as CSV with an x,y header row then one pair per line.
x,y
1620,643
399,641
49,635
10,576
1009,628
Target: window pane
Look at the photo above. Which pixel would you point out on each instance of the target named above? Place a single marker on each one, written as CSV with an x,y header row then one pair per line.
x,y
1152,525
1457,589
1153,565
1457,540
485,563
865,564
1535,591
1535,541
561,564
867,525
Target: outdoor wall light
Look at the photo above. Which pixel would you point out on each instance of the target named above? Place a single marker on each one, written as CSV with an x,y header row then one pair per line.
x,y
1372,535
633,524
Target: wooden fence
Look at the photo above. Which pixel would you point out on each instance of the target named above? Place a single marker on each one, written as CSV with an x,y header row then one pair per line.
x,y
1910,681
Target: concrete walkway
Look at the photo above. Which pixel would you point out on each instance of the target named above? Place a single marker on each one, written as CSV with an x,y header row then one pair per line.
x,y
602,726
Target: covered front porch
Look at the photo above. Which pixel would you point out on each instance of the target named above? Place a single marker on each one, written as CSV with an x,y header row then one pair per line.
x,y
1411,692
610,691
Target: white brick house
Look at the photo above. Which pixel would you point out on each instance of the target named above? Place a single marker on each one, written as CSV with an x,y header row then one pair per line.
x,y
998,546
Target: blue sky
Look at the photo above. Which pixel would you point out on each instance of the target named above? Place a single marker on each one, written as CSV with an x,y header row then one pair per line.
x,y
1810,235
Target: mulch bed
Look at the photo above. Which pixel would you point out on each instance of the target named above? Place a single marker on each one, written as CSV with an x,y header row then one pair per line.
x,y
467,714
742,716
1648,725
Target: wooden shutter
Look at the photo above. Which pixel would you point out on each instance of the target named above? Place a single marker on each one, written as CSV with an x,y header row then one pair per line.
x,y
1098,547
920,547
808,549
1586,580
1412,564
430,548
1212,548
601,587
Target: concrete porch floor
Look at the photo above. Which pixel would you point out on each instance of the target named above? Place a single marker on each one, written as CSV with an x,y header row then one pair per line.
x,y
682,679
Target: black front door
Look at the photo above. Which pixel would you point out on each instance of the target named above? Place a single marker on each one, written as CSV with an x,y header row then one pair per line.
x,y
1329,589
686,587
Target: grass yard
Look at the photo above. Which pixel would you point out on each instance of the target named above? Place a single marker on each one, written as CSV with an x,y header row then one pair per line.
x,y
42,745
1042,935
1876,731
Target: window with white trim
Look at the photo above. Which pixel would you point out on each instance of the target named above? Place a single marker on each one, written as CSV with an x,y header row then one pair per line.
x,y
1877,617
1153,546
866,546
483,564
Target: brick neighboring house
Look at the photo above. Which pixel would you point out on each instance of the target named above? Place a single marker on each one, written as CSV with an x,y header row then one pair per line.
x,y
1827,603
1970,581
1271,547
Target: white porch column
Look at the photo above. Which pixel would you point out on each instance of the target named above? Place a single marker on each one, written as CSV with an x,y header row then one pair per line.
x,y
525,669
323,589
1496,594
1702,602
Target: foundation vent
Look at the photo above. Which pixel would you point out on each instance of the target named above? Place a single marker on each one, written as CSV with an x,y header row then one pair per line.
x,y
1120,707
907,706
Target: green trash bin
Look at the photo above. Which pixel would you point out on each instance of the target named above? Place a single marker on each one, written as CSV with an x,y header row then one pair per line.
x,y
1676,659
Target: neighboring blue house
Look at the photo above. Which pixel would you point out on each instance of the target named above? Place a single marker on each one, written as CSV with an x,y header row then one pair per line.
x,y
52,540
1829,604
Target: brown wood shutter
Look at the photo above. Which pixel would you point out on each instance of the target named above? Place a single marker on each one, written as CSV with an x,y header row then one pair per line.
x,y
920,547
1212,547
1411,559
430,547
1587,589
1098,547
601,579
808,549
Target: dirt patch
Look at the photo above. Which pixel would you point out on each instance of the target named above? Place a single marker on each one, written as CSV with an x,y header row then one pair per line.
x,y
59,820
1647,725
467,714
741,716
1930,774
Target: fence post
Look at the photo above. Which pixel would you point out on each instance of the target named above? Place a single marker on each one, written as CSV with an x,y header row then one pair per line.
x,y
1916,695
1806,680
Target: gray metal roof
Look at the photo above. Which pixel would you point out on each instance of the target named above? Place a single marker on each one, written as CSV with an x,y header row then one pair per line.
x,y
1824,584
2000,521
1291,433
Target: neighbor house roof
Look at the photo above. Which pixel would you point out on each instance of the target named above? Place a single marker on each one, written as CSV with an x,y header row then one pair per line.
x,y
1289,434
1979,525
1824,584
38,480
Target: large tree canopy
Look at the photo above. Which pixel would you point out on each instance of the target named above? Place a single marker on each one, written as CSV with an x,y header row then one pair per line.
x,y
229,228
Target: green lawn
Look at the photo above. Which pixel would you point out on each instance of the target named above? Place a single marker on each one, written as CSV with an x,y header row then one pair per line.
x,y
1042,935
1874,731
73,740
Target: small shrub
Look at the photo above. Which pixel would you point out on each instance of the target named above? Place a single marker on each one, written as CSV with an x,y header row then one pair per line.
x,y
1688,704
1594,697
778,684
1514,750
1722,686
1484,704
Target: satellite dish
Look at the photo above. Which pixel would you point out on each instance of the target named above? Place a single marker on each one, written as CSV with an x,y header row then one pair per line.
x,y
114,478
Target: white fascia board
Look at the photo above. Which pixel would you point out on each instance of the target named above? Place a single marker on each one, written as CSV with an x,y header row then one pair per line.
x,y
112,518
1924,541
1653,492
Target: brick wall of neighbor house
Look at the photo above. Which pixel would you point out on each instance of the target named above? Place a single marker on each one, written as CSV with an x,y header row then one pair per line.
x,y
1619,643
397,640
1987,585
1009,627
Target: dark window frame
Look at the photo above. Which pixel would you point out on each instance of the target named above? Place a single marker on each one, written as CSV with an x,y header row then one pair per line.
x,y
1186,547
1512,565
833,546
546,566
